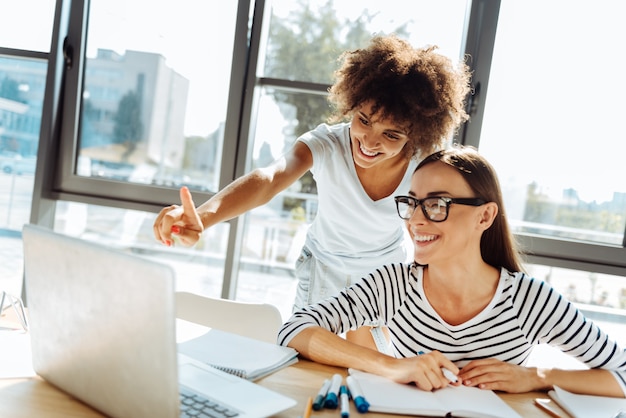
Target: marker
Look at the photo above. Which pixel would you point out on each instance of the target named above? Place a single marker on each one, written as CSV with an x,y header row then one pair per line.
x,y
449,375
345,402
318,403
332,397
355,390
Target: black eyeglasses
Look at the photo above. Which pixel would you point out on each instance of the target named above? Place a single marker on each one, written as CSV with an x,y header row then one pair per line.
x,y
435,208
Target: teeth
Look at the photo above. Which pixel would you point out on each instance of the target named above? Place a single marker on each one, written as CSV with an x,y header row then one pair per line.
x,y
425,238
368,153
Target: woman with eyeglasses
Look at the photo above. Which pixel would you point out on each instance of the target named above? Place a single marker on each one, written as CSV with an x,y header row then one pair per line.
x,y
465,304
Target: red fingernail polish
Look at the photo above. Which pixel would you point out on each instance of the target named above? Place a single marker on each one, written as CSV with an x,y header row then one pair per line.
x,y
175,229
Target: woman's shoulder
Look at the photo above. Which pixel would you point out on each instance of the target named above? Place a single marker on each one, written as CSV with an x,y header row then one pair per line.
x,y
327,134
524,287
403,272
516,277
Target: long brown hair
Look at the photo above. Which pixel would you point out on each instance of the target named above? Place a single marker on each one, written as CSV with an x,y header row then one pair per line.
x,y
497,244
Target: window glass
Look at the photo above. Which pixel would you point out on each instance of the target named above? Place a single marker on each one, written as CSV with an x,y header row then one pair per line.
x,y
601,297
306,37
304,41
155,91
198,270
21,98
552,124
27,24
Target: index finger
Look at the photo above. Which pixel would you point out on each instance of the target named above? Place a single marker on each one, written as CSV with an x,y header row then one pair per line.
x,y
476,363
443,361
189,208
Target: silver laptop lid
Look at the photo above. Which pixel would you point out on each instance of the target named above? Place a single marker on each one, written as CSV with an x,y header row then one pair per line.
x,y
102,324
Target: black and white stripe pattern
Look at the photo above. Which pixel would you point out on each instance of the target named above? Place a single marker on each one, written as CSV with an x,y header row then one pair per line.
x,y
524,312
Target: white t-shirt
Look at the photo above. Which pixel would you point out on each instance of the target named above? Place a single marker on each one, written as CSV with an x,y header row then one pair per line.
x,y
351,232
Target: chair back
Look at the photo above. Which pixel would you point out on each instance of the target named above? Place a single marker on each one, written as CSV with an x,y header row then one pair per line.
x,y
254,320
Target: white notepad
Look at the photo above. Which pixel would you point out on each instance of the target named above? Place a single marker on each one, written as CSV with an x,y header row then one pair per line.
x,y
583,406
235,354
387,396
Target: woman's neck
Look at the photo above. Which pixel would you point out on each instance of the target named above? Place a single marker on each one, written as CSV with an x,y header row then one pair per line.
x,y
459,292
382,180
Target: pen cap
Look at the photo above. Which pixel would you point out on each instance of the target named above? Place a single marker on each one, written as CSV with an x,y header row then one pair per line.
x,y
331,401
355,391
332,397
361,404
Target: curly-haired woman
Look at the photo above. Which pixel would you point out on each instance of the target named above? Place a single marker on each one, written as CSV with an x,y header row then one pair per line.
x,y
392,104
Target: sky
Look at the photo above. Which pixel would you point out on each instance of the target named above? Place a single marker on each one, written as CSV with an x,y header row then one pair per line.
x,y
555,99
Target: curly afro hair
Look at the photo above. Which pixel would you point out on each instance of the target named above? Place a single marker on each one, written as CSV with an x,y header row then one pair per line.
x,y
417,88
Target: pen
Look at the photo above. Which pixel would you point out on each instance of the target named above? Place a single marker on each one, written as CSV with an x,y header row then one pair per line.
x,y
355,391
332,397
546,405
449,375
321,395
307,408
345,402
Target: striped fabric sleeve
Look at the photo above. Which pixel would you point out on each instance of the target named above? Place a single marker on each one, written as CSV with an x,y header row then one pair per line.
x,y
547,317
364,303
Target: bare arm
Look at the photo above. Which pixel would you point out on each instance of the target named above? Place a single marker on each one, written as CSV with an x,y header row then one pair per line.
x,y
323,346
258,187
247,192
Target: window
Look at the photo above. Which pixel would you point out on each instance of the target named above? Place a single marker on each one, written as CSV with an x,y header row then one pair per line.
x,y
154,92
552,128
25,39
22,83
153,99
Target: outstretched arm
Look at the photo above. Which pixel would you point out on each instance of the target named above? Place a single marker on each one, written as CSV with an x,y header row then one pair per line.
x,y
247,192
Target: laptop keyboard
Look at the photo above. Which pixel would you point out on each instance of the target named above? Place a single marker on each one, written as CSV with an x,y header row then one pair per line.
x,y
196,406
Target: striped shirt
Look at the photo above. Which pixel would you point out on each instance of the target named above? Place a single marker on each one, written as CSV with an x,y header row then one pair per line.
x,y
524,312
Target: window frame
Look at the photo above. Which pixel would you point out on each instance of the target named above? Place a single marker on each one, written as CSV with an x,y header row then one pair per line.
x,y
60,124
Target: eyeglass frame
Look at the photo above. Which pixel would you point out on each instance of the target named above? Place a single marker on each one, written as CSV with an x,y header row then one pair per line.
x,y
468,201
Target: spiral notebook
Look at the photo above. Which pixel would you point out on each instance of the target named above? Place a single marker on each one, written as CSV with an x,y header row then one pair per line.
x,y
245,357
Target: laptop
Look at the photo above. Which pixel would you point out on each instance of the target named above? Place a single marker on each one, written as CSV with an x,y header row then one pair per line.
x,y
103,329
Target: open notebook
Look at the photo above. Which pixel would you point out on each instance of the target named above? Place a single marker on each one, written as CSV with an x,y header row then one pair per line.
x,y
385,395
103,329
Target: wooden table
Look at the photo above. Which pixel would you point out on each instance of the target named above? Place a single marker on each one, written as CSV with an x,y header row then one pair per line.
x,y
34,397
305,378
